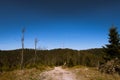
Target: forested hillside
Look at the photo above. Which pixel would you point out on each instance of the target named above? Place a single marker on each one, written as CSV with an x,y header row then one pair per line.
x,y
10,60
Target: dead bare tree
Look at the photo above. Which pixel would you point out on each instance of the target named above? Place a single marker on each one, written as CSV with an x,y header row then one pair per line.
x,y
36,41
22,54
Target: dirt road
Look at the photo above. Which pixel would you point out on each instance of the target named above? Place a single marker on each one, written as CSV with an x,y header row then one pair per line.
x,y
58,73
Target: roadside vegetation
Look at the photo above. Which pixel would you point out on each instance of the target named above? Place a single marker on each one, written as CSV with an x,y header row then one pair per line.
x,y
92,73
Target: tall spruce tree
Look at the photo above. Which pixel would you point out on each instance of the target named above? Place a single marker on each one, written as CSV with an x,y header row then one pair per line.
x,y
113,48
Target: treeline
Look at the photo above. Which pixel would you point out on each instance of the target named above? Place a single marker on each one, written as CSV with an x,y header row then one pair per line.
x,y
10,60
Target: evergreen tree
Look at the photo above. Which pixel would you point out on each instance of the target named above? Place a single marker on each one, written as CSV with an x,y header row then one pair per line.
x,y
113,48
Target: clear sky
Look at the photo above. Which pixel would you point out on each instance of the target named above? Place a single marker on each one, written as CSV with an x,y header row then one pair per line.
x,y
76,24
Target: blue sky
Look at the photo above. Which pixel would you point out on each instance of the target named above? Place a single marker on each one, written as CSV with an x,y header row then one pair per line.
x,y
76,24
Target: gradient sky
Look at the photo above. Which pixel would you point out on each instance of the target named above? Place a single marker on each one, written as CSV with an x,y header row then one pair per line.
x,y
76,24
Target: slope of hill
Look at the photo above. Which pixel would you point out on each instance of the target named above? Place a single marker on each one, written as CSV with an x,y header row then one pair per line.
x,y
10,60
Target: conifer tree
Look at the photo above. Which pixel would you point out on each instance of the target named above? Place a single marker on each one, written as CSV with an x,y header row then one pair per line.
x,y
113,48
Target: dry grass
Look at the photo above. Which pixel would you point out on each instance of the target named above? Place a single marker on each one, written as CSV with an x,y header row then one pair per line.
x,y
86,73
30,74
26,74
82,73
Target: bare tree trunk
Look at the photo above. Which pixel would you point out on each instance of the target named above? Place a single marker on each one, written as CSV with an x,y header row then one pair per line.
x,y
35,51
22,54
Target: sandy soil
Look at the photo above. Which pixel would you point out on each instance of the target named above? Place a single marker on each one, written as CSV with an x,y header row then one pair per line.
x,y
58,73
